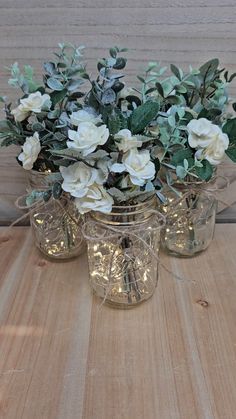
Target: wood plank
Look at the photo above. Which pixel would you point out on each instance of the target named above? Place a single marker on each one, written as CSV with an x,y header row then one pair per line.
x,y
45,323
63,355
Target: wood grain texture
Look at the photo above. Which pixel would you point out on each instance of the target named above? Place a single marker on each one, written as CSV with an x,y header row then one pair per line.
x,y
177,31
63,356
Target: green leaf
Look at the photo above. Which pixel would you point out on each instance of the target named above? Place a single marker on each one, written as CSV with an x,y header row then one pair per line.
x,y
56,190
232,77
113,52
174,100
49,68
6,142
141,79
181,155
67,153
108,97
55,84
186,165
160,89
123,122
142,116
47,195
206,171
114,123
171,121
229,128
101,64
57,97
37,126
231,153
74,85
181,89
175,71
120,63
181,172
210,114
7,126
118,86
209,67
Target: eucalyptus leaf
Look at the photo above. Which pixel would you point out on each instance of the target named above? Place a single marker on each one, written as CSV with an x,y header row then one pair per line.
x,y
160,89
54,84
50,68
108,97
209,67
175,70
113,52
74,85
181,172
120,63
57,97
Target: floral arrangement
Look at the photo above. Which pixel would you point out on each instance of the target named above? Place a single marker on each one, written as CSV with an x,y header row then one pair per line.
x,y
110,143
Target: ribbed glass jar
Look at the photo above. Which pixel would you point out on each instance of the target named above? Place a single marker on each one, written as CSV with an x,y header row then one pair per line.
x,y
123,253
190,220
56,224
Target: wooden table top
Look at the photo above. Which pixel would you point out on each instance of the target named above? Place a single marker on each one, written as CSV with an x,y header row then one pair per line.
x,y
64,356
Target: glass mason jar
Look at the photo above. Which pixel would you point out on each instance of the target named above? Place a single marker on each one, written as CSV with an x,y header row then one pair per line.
x,y
55,224
123,253
190,220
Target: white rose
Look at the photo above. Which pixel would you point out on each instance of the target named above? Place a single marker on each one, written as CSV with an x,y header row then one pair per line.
x,y
87,137
215,151
138,165
96,199
78,178
83,116
35,102
125,140
31,149
201,132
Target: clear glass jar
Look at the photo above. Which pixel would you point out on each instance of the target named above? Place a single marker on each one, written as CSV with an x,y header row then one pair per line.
x,y
190,221
123,253
55,224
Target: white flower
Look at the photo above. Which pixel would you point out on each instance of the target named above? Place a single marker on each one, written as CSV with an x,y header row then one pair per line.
x,y
78,178
138,165
35,102
84,116
215,151
96,199
208,139
31,149
201,131
87,137
125,140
